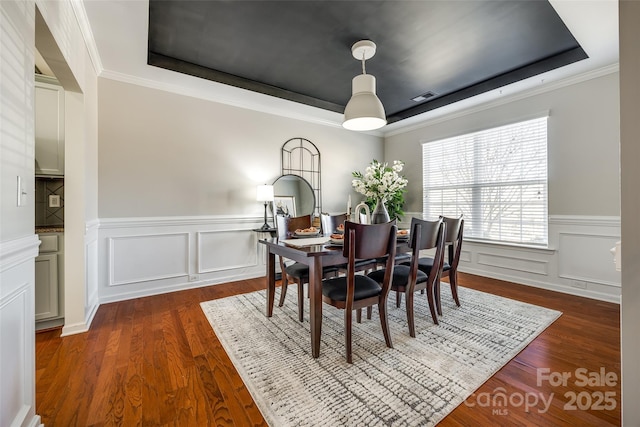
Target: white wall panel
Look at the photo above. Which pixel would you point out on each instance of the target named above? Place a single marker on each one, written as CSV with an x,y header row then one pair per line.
x,y
513,263
226,250
587,257
17,332
578,260
146,258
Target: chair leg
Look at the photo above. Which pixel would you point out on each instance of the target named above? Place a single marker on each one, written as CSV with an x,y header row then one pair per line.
x,y
283,290
359,315
398,299
369,311
348,314
437,296
432,307
300,301
410,318
384,322
453,281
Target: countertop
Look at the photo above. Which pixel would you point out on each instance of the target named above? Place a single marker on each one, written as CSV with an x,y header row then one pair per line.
x,y
49,229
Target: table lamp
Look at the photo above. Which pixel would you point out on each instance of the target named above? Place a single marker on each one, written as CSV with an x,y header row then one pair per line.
x,y
265,194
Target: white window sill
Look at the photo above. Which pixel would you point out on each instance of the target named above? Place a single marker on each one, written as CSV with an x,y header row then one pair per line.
x,y
548,249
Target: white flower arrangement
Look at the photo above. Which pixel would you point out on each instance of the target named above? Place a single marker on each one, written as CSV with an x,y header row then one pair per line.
x,y
380,181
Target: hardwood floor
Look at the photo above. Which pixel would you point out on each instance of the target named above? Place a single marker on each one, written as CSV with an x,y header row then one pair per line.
x,y
155,361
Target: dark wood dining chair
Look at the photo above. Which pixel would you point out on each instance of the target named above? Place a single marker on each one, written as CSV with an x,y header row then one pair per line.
x,y
295,272
448,266
330,225
356,291
408,279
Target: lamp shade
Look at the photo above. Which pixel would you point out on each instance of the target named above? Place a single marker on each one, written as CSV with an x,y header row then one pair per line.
x,y
364,111
264,193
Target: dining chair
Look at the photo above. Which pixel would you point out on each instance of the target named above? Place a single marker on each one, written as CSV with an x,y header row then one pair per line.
x,y
356,291
295,272
408,279
447,268
330,223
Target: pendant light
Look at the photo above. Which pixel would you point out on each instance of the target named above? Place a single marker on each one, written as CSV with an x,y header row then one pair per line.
x,y
364,111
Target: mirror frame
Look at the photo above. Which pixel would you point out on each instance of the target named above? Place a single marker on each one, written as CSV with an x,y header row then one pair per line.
x,y
301,180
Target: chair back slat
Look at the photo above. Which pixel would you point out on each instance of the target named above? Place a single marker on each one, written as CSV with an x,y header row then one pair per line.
x,y
429,234
330,223
426,235
453,238
371,239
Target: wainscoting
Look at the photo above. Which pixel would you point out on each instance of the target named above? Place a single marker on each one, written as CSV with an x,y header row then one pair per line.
x,y
17,328
578,261
147,256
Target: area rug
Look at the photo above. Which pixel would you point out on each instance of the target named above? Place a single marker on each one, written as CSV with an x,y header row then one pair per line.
x,y
416,383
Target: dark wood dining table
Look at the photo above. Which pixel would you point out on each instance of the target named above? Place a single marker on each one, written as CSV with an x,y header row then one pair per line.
x,y
316,257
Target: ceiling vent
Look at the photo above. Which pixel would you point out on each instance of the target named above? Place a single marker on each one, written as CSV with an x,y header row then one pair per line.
x,y
424,96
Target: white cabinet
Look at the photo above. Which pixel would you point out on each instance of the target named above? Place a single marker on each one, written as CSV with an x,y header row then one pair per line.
x,y
49,281
49,126
47,287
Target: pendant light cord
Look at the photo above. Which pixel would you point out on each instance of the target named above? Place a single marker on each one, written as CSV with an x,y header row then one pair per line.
x,y
364,71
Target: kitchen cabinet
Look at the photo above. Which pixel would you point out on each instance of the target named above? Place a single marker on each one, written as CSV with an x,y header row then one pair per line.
x,y
47,286
49,280
49,126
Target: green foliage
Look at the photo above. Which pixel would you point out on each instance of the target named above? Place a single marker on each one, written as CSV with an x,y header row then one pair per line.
x,y
381,181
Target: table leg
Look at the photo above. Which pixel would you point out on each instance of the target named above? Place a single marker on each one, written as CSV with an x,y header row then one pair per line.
x,y
271,281
315,293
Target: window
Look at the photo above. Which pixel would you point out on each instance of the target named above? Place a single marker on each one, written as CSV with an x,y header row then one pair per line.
x,y
496,178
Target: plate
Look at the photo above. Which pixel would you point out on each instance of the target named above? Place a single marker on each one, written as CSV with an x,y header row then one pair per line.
x,y
338,242
402,236
306,233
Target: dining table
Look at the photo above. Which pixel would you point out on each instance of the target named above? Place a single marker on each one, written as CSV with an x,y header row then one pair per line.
x,y
315,252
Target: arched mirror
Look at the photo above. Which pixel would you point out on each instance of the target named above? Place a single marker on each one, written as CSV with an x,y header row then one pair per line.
x,y
293,195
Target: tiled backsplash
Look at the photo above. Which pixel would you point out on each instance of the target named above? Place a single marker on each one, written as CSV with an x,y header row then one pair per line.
x,y
46,215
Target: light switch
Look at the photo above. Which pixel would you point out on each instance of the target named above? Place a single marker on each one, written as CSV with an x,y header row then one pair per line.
x,y
54,201
20,192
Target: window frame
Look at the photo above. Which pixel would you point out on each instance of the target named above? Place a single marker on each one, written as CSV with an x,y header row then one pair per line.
x,y
528,175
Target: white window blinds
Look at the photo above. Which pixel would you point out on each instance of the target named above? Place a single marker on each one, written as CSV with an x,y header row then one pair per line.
x,y
496,178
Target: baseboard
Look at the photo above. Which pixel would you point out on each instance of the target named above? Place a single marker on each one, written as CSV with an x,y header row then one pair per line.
x,y
80,327
177,287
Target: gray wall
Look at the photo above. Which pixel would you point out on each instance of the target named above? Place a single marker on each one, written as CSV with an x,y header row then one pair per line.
x,y
630,156
162,154
583,147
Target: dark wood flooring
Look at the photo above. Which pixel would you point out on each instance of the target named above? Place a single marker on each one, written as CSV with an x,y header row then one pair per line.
x,y
155,361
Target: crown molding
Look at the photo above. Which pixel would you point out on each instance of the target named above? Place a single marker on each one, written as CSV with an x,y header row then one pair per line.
x,y
544,88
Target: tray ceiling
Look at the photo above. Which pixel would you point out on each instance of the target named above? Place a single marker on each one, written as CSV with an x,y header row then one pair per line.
x,y
301,50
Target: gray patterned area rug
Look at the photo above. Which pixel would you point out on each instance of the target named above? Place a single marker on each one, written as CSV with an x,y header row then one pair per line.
x,y
416,383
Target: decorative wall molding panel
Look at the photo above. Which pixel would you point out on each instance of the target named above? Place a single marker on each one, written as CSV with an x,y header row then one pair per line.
x,y
17,327
578,260
226,250
513,263
146,256
91,297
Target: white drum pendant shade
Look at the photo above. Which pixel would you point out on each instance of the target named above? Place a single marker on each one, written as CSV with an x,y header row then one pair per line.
x,y
364,111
